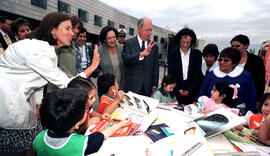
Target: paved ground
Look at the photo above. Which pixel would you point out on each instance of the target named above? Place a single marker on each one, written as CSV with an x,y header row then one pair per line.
x,y
161,75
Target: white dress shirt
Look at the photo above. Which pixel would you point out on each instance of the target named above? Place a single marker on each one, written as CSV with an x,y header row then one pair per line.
x,y
185,63
140,43
25,68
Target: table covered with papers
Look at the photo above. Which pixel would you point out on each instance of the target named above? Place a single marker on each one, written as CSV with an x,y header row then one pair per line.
x,y
167,132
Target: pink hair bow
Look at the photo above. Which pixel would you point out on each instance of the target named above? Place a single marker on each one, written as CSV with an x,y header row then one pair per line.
x,y
235,91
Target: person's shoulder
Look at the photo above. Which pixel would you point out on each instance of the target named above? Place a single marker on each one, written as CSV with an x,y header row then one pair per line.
x,y
100,48
119,46
34,45
254,58
196,51
36,42
157,92
32,42
245,75
175,51
131,39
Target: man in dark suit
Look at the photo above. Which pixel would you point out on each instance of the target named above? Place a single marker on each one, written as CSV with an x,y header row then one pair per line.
x,y
5,38
140,57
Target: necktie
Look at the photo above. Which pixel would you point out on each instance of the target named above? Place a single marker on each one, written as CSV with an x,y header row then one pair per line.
x,y
143,45
8,41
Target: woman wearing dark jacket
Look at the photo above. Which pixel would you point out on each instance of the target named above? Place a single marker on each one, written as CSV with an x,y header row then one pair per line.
x,y
251,63
185,65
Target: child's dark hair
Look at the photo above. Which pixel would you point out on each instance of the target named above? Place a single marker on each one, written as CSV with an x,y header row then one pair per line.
x,y
62,109
223,87
167,80
82,83
104,83
264,98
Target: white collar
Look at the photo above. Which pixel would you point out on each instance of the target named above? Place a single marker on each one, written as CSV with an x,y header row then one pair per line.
x,y
140,41
188,53
2,32
236,72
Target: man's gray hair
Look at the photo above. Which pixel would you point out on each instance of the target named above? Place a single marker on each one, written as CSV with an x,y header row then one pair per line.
x,y
141,21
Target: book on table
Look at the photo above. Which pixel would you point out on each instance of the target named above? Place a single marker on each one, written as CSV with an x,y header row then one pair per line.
x,y
125,131
218,121
137,107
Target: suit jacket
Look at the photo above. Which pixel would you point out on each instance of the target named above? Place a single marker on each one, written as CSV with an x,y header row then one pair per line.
x,y
140,73
105,64
257,70
194,70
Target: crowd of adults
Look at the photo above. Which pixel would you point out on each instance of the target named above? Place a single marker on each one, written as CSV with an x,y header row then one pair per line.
x,y
55,52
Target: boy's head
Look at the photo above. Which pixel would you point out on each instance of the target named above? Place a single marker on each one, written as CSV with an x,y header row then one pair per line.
x,y
63,110
84,84
106,83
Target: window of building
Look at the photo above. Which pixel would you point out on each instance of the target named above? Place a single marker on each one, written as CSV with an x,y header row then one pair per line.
x,y
110,23
98,20
64,7
131,31
121,26
155,38
39,3
83,15
162,40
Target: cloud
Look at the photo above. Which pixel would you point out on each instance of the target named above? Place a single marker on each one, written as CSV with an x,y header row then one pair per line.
x,y
212,20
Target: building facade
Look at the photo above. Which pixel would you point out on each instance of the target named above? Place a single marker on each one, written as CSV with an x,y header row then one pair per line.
x,y
94,14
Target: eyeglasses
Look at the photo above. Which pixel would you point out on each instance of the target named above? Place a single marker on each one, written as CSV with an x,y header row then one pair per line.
x,y
225,60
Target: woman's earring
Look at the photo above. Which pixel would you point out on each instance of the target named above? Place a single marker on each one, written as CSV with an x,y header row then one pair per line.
x,y
53,35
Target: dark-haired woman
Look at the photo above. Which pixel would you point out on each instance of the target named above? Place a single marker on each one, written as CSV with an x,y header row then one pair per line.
x,y
185,65
251,63
111,54
229,71
25,68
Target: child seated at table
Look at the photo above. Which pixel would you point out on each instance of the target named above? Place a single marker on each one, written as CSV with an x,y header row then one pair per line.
x,y
165,93
255,121
90,88
223,95
265,130
61,112
110,96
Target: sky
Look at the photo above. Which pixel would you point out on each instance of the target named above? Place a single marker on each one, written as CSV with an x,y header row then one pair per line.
x,y
215,21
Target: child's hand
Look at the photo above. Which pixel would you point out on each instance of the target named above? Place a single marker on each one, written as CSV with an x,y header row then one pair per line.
x,y
125,122
105,116
255,132
96,58
240,127
93,121
119,95
206,111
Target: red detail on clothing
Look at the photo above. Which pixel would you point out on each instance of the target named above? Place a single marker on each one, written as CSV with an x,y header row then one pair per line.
x,y
255,121
104,102
87,115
